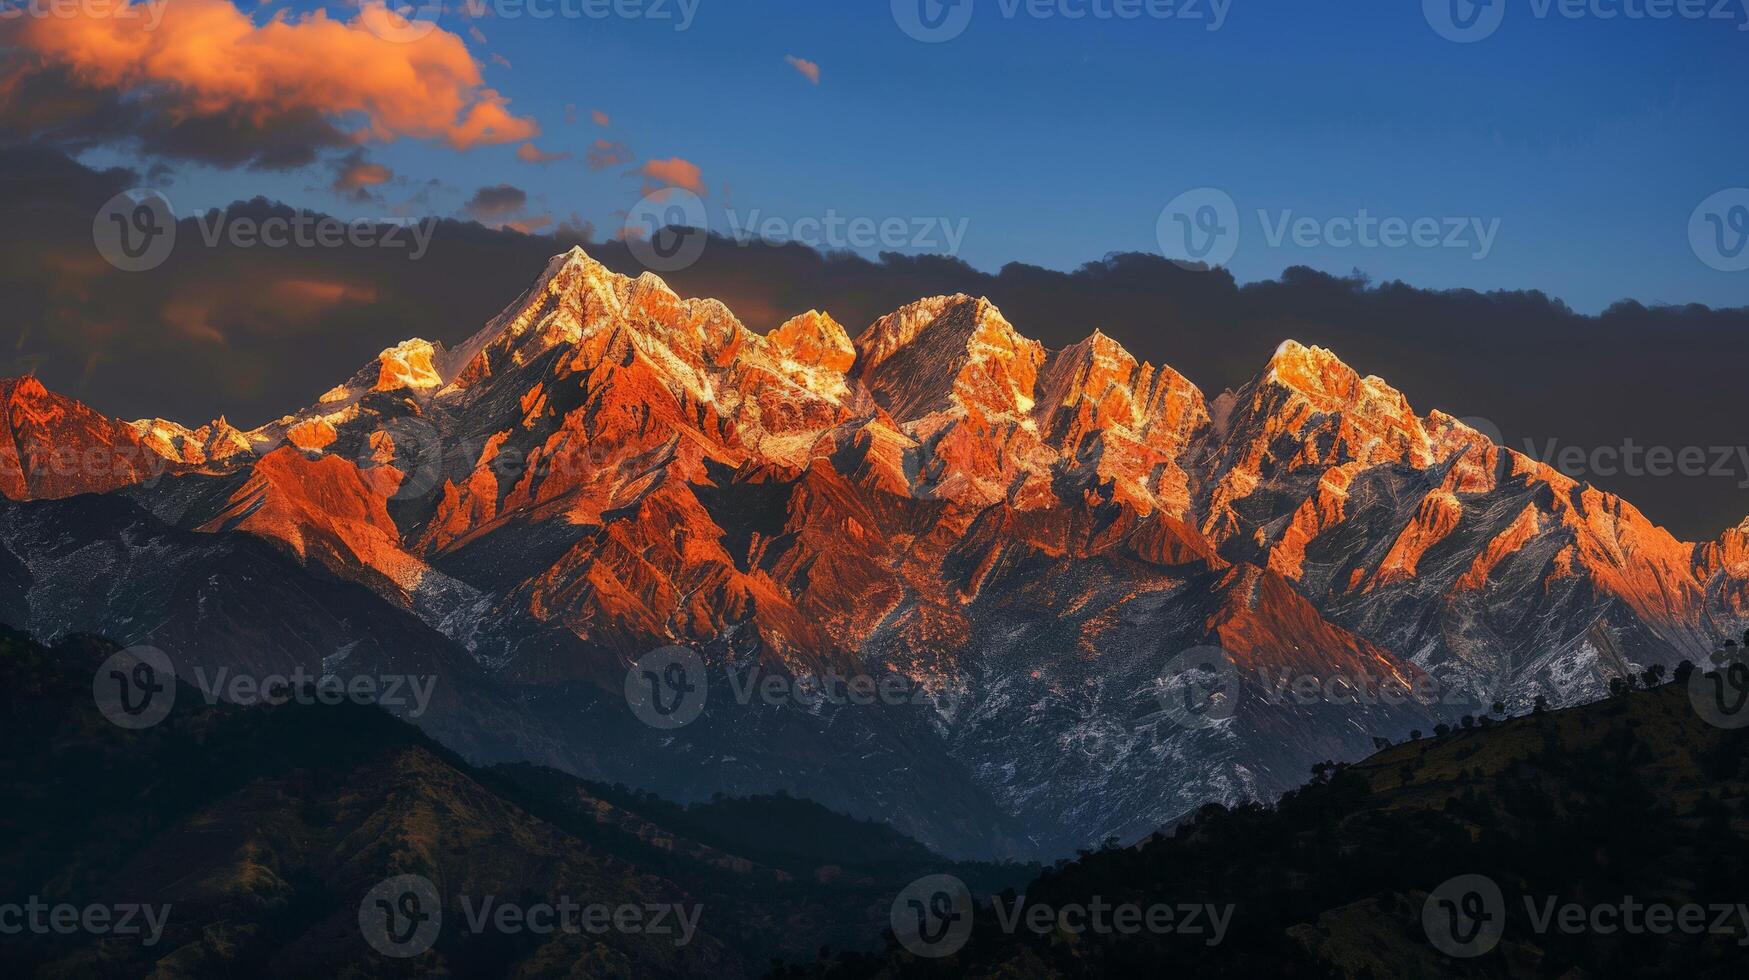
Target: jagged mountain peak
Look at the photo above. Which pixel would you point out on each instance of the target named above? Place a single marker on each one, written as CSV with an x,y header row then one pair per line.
x,y
551,311
22,388
888,335
1314,372
215,441
814,339
949,353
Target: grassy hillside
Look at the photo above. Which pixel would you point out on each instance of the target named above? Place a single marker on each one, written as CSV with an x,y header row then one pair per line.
x,y
264,828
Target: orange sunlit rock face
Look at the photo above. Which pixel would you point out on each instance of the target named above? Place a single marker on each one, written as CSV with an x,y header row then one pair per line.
x,y
52,446
640,466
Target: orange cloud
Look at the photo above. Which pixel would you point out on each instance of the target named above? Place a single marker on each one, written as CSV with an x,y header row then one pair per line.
x,y
357,174
600,118
660,175
206,58
809,69
317,293
529,153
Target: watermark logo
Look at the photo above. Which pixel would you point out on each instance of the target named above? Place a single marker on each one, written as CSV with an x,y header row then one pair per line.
x,y
135,688
1721,697
307,229
936,21
405,695
1199,229
1464,21
1199,688
402,23
1718,230
1630,458
135,230
1468,21
1363,229
667,688
1101,917
666,230
149,11
571,917
402,916
1465,916
412,445
932,916
40,918
832,230
933,21
405,23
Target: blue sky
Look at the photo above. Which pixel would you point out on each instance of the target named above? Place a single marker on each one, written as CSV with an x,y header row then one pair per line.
x,y
1586,142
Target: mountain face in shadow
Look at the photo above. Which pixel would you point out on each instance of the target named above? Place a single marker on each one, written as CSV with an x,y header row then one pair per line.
x,y
1607,840
251,840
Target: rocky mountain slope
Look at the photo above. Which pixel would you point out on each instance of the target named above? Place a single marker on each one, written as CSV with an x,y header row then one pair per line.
x,y
1025,539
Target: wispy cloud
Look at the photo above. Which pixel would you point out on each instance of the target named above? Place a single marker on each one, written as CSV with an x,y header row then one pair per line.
x,y
603,154
810,70
661,175
529,153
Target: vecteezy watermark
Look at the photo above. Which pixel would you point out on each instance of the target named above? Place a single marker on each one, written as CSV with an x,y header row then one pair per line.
x,y
937,21
1355,688
1202,687
1199,688
404,23
678,920
668,688
135,688
393,691
135,230
97,919
1466,917
133,464
1630,458
1201,229
1718,230
414,446
1721,696
667,229
403,917
308,230
150,12
933,916
1468,21
836,231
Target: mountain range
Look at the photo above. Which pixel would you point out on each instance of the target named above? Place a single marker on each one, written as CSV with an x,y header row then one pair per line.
x,y
1029,541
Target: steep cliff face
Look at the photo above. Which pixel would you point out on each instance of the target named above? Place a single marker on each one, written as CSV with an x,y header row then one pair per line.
x,y
52,446
1027,536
